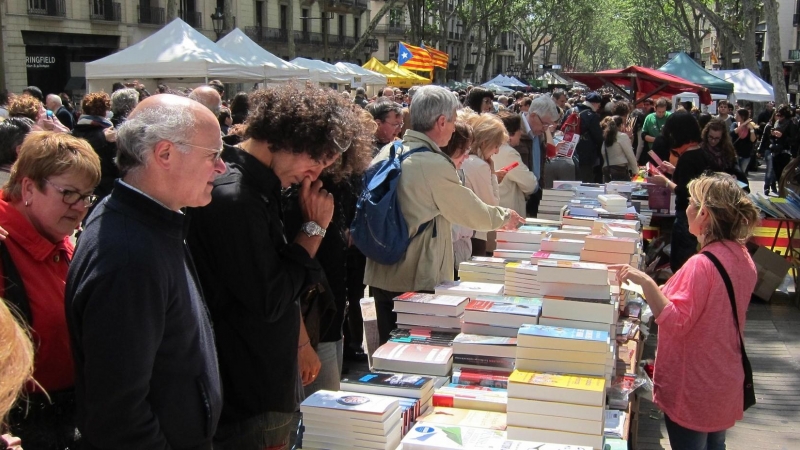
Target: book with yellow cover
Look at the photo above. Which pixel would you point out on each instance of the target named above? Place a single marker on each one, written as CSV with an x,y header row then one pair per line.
x,y
565,388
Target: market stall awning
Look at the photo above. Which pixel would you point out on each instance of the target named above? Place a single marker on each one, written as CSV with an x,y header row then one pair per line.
x,y
416,79
684,66
393,78
275,69
363,76
747,85
640,82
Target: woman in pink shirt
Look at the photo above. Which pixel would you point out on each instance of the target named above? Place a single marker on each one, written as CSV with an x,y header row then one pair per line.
x,y
698,371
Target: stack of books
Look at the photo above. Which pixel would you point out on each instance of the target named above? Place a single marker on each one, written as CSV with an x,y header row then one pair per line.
x,y
347,420
613,203
610,249
427,436
468,289
543,348
414,392
471,397
589,191
422,336
521,279
521,243
424,359
561,409
562,246
483,269
500,316
553,202
582,280
484,352
430,311
540,255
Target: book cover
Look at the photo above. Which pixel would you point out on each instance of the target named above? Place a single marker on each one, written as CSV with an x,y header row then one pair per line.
x,y
486,306
494,362
468,288
422,336
573,272
444,416
556,245
559,381
489,330
425,320
370,406
521,246
470,399
391,384
575,290
528,301
481,377
414,358
472,344
540,255
564,333
602,243
420,300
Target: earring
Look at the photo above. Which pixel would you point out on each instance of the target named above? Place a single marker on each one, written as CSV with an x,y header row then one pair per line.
x,y
27,203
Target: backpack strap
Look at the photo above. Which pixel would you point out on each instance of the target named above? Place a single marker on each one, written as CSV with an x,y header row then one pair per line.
x,y
14,290
397,147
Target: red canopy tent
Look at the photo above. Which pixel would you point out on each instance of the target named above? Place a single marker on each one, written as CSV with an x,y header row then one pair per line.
x,y
642,83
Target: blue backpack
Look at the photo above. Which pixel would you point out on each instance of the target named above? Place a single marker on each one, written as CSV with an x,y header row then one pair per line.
x,y
379,229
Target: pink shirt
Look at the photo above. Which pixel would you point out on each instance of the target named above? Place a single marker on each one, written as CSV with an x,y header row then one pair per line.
x,y
698,371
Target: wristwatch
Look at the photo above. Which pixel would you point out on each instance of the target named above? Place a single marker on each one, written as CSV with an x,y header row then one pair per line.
x,y
313,229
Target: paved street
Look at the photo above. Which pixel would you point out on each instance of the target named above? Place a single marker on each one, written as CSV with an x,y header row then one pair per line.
x,y
772,339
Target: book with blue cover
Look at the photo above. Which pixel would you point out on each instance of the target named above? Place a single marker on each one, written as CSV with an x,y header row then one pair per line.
x,y
543,336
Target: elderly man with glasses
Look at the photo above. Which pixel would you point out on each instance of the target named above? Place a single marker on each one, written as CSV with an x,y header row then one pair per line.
x,y
256,274
146,368
388,116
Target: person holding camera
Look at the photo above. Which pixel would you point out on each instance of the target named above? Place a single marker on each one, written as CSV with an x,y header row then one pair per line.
x,y
776,147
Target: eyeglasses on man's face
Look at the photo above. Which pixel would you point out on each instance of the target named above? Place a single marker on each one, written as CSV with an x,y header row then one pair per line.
x,y
215,153
71,197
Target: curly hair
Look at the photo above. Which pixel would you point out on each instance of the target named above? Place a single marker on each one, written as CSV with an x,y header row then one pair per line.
x,y
96,104
24,106
356,159
306,119
240,105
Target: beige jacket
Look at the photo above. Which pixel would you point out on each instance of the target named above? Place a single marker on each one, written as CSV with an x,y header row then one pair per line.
x,y
430,189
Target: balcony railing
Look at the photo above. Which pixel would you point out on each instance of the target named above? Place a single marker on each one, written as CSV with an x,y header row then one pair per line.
x,y
362,4
265,34
307,37
397,30
371,45
151,15
794,55
193,18
52,8
341,41
106,10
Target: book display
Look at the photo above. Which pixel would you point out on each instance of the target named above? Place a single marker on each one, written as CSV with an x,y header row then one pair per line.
x,y
536,346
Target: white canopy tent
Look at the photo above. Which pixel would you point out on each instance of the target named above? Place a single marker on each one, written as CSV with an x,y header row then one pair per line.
x,y
365,77
275,69
175,51
746,85
322,72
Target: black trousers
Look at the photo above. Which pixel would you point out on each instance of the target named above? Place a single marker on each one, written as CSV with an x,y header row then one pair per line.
x,y
354,327
683,244
384,305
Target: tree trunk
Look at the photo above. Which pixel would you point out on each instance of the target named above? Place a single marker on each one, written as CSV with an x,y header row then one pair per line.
x,y
387,5
172,10
464,53
227,9
290,50
774,49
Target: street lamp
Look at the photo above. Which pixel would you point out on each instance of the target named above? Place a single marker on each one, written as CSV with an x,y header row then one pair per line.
x,y
218,19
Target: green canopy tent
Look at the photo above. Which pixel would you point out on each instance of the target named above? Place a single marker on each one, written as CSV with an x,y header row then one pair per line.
x,y
682,65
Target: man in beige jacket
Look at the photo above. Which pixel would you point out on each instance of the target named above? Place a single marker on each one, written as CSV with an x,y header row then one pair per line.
x,y
429,191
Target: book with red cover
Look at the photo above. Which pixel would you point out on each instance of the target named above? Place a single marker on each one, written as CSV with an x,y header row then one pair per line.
x,y
430,304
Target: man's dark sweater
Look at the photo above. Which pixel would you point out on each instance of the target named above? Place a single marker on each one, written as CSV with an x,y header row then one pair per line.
x,y
146,368
253,279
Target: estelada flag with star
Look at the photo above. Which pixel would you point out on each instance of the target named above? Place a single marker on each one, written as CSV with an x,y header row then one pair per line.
x,y
413,58
439,58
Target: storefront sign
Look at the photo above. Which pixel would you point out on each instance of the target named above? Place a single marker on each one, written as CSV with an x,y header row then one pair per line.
x,y
40,62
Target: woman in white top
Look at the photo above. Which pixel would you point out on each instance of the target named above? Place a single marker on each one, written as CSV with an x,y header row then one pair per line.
x,y
619,161
519,182
489,134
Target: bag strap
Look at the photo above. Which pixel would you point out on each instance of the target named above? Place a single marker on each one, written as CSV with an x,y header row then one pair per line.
x,y
14,290
397,147
729,287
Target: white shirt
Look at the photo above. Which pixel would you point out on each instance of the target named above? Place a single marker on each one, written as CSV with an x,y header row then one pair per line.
x,y
480,179
518,183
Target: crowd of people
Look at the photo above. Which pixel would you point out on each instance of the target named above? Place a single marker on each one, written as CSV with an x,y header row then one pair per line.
x,y
214,284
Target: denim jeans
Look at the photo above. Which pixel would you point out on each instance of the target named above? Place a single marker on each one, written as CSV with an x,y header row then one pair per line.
x,y
769,174
681,438
268,431
330,355
743,163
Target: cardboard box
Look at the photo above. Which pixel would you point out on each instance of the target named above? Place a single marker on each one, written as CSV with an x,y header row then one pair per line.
x,y
772,269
